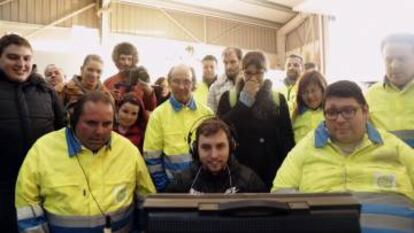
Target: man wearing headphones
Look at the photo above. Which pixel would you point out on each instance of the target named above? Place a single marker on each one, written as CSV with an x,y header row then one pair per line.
x,y
82,178
214,169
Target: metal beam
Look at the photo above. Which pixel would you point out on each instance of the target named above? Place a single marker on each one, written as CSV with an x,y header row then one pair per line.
x,y
198,10
237,27
270,5
178,24
5,2
103,13
282,32
56,22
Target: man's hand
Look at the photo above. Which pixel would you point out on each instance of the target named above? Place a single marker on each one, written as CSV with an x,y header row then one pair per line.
x,y
116,93
146,88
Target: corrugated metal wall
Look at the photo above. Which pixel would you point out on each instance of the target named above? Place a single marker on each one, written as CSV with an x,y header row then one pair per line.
x,y
126,18
304,40
44,12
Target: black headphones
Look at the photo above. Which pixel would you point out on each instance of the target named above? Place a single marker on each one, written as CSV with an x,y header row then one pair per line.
x,y
209,121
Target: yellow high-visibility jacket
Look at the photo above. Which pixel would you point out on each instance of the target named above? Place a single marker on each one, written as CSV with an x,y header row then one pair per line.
x,y
201,93
290,94
305,122
166,149
382,163
60,178
393,109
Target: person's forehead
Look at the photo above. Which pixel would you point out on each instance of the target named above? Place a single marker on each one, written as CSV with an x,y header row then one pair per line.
x,y
230,55
181,73
94,64
17,49
124,55
209,62
293,60
52,68
92,108
398,48
340,101
218,137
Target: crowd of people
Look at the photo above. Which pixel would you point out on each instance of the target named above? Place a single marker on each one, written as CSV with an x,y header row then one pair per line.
x,y
82,155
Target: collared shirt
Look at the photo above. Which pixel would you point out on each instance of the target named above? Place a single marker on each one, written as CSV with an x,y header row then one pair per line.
x,y
177,106
217,89
322,135
74,145
380,164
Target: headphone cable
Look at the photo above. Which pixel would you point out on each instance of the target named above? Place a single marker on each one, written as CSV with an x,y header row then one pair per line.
x,y
108,222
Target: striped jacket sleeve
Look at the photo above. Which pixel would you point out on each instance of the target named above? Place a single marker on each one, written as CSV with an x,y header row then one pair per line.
x,y
30,214
153,151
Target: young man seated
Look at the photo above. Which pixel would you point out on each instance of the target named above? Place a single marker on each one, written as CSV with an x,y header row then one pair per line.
x,y
214,169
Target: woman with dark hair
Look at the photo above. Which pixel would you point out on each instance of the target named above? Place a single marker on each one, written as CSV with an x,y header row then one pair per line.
x,y
132,120
260,118
307,112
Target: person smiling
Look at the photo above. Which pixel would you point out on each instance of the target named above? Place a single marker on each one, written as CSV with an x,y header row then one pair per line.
x,y
214,169
307,112
132,120
88,81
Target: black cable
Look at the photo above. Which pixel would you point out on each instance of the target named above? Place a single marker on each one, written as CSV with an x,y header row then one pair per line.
x,y
107,217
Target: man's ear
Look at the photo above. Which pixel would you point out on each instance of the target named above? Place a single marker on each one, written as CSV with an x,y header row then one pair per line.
x,y
365,111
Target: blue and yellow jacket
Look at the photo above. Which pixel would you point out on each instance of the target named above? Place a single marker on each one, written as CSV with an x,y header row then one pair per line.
x,y
382,163
166,149
60,179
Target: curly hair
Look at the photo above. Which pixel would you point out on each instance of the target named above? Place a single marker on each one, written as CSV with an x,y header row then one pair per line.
x,y
126,49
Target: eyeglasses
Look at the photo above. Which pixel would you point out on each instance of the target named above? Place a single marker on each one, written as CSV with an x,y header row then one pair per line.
x,y
249,73
346,112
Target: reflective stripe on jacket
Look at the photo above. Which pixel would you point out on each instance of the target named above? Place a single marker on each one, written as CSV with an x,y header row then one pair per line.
x,y
58,175
166,149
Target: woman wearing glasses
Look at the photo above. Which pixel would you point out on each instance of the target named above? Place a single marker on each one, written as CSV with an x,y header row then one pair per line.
x,y
260,118
307,112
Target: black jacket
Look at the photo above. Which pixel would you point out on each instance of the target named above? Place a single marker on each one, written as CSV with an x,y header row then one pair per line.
x,y
28,110
243,179
263,132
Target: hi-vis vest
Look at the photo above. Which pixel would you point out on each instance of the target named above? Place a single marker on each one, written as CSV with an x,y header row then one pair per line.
x,y
393,109
61,184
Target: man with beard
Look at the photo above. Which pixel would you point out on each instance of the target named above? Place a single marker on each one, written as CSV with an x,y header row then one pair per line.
x,y
125,57
214,169
29,109
231,59
391,102
209,63
260,118
293,68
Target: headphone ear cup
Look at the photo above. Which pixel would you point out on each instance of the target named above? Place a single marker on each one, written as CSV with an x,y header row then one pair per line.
x,y
233,145
194,150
